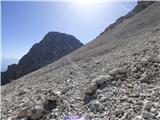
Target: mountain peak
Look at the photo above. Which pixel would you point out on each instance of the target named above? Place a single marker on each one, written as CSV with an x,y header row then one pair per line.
x,y
53,46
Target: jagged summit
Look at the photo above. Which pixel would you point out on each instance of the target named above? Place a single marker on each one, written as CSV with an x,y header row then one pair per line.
x,y
53,46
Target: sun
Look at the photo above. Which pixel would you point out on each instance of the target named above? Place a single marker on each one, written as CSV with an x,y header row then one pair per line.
x,y
87,9
84,4
86,1
89,1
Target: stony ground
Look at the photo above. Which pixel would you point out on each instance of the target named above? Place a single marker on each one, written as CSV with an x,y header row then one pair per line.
x,y
115,77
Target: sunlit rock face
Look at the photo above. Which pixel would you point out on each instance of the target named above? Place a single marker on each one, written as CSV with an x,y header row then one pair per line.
x,y
53,46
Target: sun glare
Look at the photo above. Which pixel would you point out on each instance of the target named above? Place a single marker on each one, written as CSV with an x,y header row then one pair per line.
x,y
87,4
85,8
85,1
89,1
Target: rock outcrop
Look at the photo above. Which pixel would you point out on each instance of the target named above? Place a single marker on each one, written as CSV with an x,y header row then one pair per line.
x,y
53,46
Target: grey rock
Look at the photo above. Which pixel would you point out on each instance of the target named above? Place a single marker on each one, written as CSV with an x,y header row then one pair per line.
x,y
146,115
35,113
102,79
119,113
66,89
90,88
117,71
24,118
12,118
23,112
138,118
146,60
22,92
158,116
144,79
154,111
157,59
148,106
96,106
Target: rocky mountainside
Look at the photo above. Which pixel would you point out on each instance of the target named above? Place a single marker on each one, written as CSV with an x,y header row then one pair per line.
x,y
54,45
114,77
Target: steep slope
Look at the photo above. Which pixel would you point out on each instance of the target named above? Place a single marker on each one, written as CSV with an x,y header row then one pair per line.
x,y
114,77
53,46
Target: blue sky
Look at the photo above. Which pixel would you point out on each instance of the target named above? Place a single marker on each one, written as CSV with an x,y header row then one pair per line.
x,y
26,23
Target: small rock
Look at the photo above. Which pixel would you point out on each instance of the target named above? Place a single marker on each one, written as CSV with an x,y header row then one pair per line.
x,y
144,79
102,79
146,115
148,106
130,100
158,116
51,95
90,88
99,80
23,112
137,75
123,98
129,85
117,71
49,105
146,60
35,113
157,59
136,95
154,111
24,118
138,118
58,93
66,89
97,107
12,118
119,77
134,69
22,92
156,104
119,113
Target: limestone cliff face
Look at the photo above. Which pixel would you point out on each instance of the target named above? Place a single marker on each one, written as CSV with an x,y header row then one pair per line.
x,y
53,46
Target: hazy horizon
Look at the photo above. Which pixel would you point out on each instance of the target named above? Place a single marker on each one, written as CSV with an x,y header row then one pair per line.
x,y
7,61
